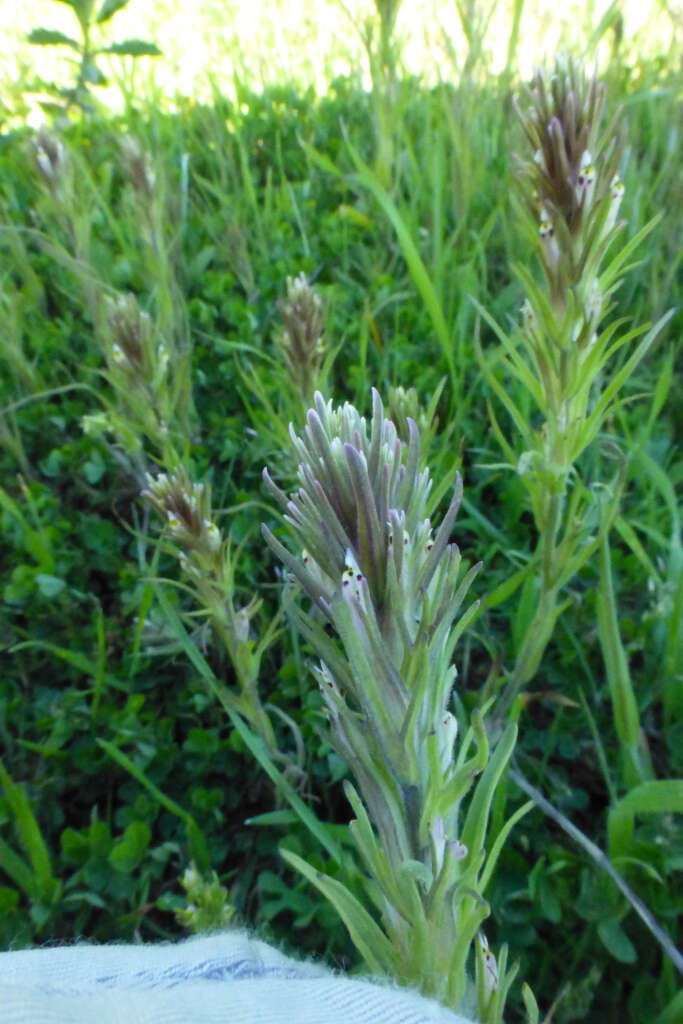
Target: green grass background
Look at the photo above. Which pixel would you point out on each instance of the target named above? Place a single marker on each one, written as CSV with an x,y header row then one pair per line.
x,y
256,179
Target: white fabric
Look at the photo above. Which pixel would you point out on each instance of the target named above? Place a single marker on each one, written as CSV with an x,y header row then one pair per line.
x,y
227,978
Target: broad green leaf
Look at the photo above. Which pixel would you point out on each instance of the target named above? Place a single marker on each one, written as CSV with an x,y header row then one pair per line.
x,y
76,846
673,1012
79,6
94,469
34,541
132,48
49,37
201,741
49,586
550,906
195,835
616,941
131,848
53,109
660,796
109,9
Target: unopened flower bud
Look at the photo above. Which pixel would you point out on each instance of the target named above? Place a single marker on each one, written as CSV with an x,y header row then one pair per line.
x,y
490,967
191,877
546,233
457,849
301,342
137,167
130,329
447,731
51,159
525,463
242,626
213,536
353,583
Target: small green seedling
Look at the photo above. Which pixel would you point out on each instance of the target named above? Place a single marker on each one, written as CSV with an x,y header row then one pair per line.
x,y
86,50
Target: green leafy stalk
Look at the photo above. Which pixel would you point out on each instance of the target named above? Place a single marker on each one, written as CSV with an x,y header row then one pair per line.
x,y
569,196
208,563
303,361
88,72
382,46
390,586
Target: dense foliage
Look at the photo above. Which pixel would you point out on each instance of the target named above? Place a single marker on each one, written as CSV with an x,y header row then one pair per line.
x,y
129,766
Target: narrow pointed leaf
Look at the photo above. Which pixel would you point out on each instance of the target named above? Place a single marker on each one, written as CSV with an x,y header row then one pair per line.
x,y
476,822
367,936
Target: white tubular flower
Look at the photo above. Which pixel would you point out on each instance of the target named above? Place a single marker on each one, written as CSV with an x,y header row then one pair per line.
x,y
242,625
546,233
447,731
352,578
616,196
545,226
585,179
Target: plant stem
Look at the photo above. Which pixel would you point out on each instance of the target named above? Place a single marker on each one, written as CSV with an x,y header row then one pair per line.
x,y
540,629
535,642
603,862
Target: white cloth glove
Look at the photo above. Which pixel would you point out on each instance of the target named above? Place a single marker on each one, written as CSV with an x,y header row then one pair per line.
x,y
227,978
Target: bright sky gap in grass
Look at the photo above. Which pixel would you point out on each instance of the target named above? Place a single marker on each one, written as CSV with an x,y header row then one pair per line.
x,y
311,41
